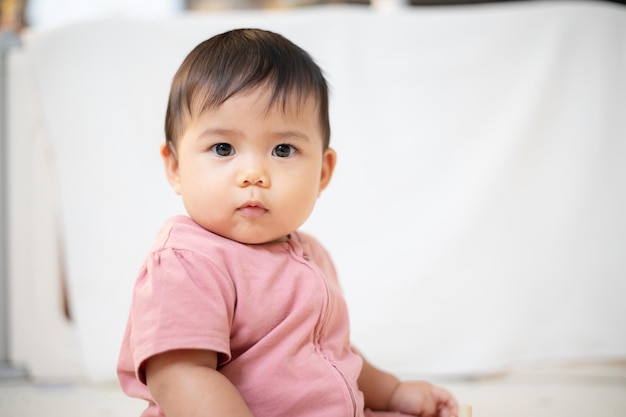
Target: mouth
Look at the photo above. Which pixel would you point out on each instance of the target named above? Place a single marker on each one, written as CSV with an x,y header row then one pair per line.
x,y
252,209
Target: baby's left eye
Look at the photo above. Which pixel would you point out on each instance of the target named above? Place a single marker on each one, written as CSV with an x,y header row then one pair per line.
x,y
284,151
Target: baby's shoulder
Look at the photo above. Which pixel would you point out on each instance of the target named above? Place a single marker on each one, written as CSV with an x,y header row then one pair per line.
x,y
313,248
308,241
181,234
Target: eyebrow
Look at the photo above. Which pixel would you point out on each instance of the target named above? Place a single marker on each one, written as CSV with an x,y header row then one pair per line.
x,y
291,134
219,132
295,134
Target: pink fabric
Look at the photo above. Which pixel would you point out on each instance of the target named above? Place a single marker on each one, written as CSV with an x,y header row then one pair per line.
x,y
274,313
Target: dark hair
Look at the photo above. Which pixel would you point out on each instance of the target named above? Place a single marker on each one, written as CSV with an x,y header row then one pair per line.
x,y
239,61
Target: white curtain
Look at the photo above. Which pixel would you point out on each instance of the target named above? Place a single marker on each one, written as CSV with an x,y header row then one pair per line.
x,y
476,216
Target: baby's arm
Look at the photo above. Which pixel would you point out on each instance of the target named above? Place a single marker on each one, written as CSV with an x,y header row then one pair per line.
x,y
377,387
186,383
384,392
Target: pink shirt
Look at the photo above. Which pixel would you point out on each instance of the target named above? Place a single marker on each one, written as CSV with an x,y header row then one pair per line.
x,y
274,313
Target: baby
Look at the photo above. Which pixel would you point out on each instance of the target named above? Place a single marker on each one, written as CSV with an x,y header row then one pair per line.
x,y
235,312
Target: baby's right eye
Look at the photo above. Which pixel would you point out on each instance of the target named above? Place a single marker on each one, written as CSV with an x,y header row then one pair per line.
x,y
223,149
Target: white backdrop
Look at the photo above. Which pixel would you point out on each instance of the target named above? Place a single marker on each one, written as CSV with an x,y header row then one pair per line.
x,y
477,212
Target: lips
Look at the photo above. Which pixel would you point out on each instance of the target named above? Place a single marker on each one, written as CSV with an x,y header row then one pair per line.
x,y
252,209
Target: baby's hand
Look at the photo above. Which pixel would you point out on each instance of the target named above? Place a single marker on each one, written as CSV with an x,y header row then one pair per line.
x,y
423,399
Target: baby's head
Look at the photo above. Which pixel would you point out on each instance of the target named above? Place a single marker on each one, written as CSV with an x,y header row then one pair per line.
x,y
247,135
240,61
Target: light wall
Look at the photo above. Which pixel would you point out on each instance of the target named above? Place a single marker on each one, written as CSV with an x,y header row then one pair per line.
x,y
475,217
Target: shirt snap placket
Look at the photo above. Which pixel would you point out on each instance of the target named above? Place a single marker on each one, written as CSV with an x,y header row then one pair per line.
x,y
302,256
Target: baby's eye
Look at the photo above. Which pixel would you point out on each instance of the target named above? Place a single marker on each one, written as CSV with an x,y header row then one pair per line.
x,y
223,149
284,151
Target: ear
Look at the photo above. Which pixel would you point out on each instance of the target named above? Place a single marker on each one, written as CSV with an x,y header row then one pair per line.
x,y
329,160
170,162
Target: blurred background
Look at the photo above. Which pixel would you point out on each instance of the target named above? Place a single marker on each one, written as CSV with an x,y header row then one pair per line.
x,y
476,215
17,14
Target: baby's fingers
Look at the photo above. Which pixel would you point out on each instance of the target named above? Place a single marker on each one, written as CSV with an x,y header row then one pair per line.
x,y
446,402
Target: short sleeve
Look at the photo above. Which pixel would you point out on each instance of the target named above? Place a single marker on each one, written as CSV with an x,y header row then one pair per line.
x,y
181,300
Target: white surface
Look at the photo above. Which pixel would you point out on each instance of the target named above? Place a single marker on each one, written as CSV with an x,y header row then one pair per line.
x,y
476,216
47,14
579,392
42,339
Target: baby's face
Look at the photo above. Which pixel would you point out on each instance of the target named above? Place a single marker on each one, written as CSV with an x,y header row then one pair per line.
x,y
250,174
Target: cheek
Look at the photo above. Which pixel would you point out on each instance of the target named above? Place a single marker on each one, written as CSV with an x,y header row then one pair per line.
x,y
306,188
193,189
198,173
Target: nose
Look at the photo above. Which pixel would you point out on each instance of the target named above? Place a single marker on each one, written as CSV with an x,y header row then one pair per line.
x,y
253,173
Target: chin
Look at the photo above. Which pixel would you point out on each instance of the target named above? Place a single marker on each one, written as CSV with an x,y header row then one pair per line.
x,y
261,240
250,236
266,241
